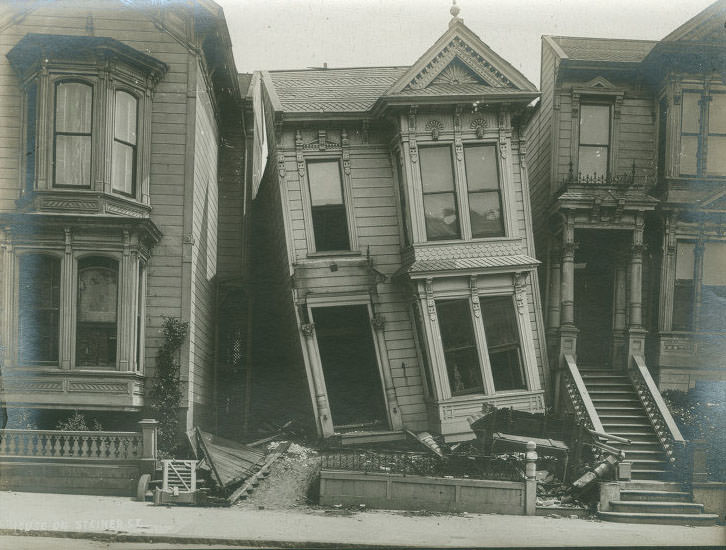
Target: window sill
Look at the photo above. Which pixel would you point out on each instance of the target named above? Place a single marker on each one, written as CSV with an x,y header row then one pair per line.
x,y
465,241
481,397
334,254
82,201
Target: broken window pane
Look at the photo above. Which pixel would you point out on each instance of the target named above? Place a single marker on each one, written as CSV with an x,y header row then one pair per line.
x,y
39,308
460,352
502,334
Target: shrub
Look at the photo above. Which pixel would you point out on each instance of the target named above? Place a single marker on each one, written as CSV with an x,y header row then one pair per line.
x,y
77,423
701,414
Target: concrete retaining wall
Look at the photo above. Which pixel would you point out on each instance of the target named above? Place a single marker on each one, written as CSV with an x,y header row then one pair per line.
x,y
712,494
399,492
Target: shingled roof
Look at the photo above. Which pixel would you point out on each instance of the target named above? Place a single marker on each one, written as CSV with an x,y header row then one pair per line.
x,y
333,90
602,49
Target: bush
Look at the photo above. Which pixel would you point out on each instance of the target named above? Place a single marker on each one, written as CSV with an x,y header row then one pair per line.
x,y
77,423
701,414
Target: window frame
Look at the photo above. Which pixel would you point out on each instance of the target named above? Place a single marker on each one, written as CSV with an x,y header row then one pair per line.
x,y
134,146
347,194
461,190
57,83
703,135
608,162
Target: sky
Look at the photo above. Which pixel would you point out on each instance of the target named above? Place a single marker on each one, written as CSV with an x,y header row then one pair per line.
x,y
295,34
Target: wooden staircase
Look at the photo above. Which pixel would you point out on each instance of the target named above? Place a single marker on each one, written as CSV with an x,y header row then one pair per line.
x,y
650,497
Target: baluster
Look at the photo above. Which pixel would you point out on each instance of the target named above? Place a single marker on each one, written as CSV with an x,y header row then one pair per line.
x,y
66,445
58,447
84,447
74,449
12,450
94,447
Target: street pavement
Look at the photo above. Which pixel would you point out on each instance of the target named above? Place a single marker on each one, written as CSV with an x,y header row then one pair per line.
x,y
122,520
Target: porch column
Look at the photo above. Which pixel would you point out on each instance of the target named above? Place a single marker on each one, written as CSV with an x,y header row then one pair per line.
x,y
636,333
7,284
568,331
555,289
619,322
394,412
316,371
698,253
67,306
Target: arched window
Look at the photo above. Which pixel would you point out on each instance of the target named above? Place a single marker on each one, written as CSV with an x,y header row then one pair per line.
x,y
72,136
123,159
39,307
96,323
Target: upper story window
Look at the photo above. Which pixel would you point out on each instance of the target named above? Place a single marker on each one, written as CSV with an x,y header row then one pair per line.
x,y
703,134
72,136
446,196
594,145
87,102
327,205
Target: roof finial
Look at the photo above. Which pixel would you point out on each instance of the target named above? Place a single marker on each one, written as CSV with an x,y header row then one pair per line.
x,y
454,11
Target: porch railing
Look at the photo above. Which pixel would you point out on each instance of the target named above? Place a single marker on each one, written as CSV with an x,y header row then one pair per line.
x,y
627,180
582,405
660,417
89,445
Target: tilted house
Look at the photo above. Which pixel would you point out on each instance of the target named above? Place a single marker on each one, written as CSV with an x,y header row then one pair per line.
x,y
121,200
396,280
627,169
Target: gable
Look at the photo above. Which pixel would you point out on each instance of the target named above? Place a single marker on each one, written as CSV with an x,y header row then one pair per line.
x,y
599,83
706,26
460,58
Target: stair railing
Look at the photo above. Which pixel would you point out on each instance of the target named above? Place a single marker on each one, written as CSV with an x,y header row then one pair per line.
x,y
660,417
585,412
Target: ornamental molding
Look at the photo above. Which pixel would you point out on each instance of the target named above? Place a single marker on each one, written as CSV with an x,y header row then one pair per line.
x,y
479,125
435,127
98,387
468,250
412,146
281,172
31,386
70,204
320,144
520,290
308,329
378,322
475,305
430,304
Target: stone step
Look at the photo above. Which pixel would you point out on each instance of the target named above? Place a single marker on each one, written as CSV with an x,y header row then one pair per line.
x,y
625,425
656,507
651,474
631,401
661,519
615,409
638,455
647,485
598,394
622,416
608,386
654,495
630,431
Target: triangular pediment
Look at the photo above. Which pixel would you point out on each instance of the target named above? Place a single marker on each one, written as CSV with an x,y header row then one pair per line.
x,y
460,58
600,83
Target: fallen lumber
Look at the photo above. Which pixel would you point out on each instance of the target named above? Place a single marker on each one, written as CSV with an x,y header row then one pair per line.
x,y
229,461
253,480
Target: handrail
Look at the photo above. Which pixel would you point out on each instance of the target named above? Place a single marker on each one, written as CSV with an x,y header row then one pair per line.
x,y
581,402
93,445
660,417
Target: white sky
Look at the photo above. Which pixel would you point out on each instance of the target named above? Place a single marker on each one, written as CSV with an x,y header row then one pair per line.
x,y
295,34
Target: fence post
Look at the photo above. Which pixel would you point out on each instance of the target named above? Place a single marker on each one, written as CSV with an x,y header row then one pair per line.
x,y
530,484
149,434
698,471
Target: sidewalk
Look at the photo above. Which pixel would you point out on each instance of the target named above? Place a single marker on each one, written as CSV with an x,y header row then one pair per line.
x,y
121,519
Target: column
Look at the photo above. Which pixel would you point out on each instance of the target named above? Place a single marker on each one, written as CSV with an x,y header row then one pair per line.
x,y
67,306
568,331
619,322
698,253
636,332
394,412
316,371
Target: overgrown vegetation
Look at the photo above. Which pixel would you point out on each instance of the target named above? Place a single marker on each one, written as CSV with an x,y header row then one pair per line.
x,y
701,414
77,423
166,394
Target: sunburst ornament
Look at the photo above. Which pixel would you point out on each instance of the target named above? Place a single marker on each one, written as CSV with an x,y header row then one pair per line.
x,y
455,73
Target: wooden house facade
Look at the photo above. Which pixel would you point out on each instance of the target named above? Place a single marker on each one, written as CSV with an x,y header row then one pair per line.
x,y
396,285
122,172
627,187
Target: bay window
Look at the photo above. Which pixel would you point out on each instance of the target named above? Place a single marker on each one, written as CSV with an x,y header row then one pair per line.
x,y
97,310
469,206
460,349
502,335
703,133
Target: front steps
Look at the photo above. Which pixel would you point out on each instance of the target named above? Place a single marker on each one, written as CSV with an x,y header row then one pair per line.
x,y
656,502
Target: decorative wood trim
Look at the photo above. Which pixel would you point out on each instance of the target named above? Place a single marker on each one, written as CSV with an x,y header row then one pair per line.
x,y
435,127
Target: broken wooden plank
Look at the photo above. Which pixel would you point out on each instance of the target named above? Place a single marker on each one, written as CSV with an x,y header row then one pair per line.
x,y
262,472
230,461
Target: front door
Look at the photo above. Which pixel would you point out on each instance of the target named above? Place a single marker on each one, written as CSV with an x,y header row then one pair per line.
x,y
350,367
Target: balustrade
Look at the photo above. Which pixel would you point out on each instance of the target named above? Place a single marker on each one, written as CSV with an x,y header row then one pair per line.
x,y
92,445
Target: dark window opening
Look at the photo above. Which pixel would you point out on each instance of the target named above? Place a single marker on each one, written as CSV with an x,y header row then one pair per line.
x,y
350,365
72,145
39,307
439,195
460,351
594,140
97,311
330,221
502,334
485,201
683,292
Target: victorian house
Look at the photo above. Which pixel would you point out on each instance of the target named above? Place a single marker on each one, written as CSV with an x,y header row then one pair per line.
x,y
121,201
394,252
628,182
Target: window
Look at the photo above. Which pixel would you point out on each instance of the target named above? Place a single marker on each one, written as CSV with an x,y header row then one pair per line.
x,y
703,134
73,108
96,312
713,291
485,201
594,147
31,119
460,349
330,223
123,157
39,309
502,335
683,291
439,194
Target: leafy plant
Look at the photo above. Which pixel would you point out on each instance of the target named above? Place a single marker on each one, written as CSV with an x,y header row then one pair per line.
x,y
77,423
166,394
701,414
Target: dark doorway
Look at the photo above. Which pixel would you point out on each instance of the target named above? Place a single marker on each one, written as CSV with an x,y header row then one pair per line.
x,y
350,367
594,296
